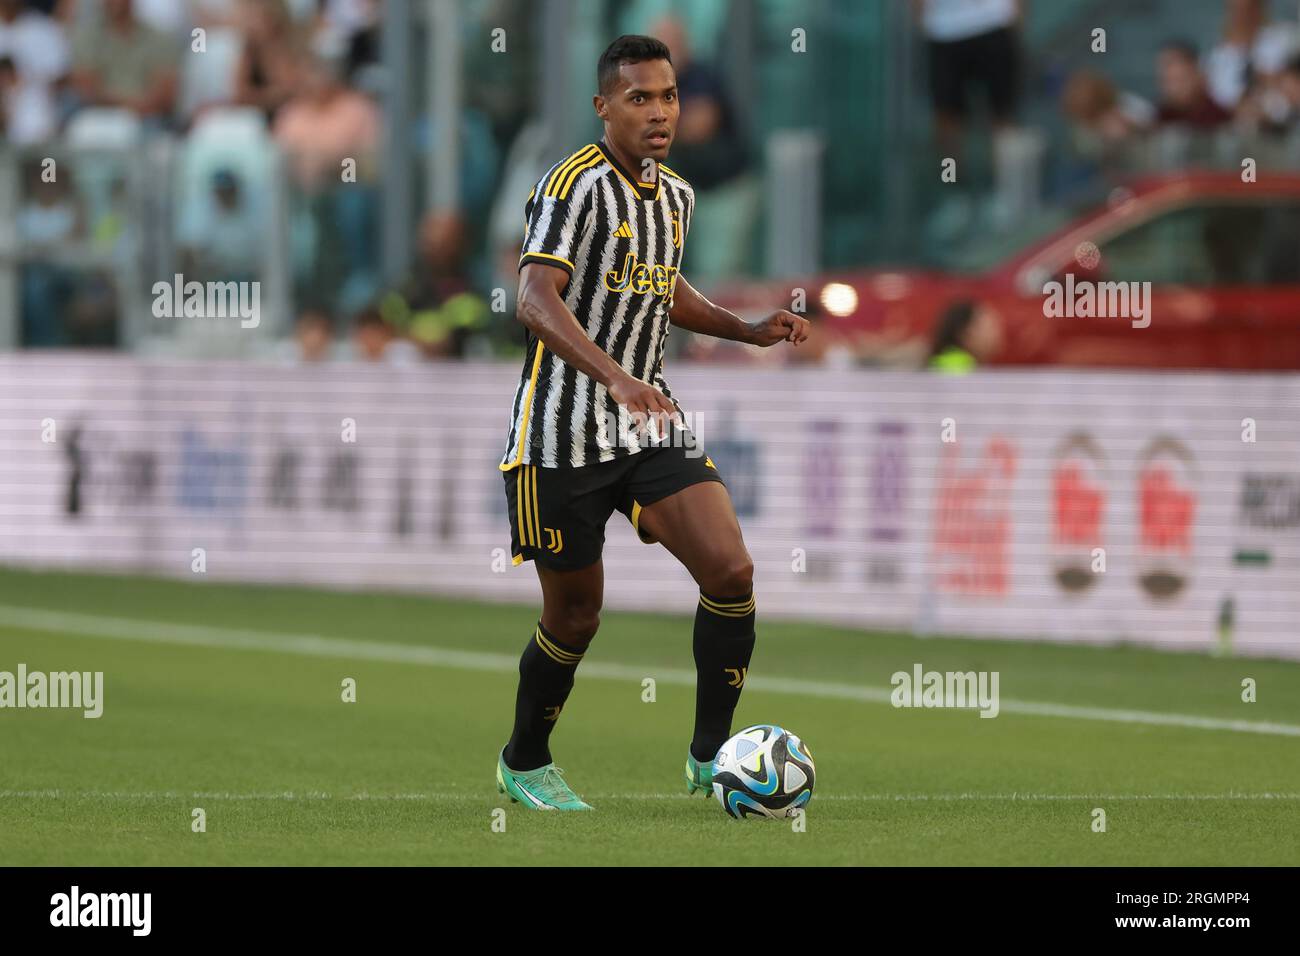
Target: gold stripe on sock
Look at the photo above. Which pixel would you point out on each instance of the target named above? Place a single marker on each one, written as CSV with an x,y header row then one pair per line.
x,y
735,609
554,650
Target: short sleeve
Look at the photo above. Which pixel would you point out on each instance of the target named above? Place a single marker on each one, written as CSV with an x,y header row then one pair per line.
x,y
557,218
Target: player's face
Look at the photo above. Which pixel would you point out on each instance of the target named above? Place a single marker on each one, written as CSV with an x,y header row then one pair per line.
x,y
640,111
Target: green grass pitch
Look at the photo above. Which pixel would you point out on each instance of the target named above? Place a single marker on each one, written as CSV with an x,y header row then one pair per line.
x,y
228,698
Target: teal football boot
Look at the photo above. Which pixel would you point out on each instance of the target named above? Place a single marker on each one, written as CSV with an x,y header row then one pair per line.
x,y
540,789
699,775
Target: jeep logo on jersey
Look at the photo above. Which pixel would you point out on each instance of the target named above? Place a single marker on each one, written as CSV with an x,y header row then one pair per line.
x,y
640,278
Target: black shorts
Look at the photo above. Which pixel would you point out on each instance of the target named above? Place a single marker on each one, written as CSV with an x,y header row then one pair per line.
x,y
990,60
558,515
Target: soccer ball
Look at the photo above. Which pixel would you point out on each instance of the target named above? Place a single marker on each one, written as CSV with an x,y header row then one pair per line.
x,y
763,771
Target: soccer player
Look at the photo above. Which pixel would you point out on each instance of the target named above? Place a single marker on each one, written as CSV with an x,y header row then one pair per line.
x,y
595,428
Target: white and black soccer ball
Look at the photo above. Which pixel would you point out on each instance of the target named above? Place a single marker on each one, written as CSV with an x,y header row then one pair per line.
x,y
763,771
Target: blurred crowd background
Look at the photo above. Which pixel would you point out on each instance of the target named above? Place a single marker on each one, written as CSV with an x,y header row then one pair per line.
x,y
367,161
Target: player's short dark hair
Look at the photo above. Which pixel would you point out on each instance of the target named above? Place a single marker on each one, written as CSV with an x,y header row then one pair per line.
x,y
629,48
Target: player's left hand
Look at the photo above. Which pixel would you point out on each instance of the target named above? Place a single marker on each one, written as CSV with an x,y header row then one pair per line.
x,y
780,326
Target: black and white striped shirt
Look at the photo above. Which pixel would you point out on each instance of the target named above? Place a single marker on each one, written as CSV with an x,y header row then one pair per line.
x,y
620,239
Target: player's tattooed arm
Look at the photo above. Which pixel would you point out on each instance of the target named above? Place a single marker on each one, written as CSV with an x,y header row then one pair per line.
x,y
543,312
694,312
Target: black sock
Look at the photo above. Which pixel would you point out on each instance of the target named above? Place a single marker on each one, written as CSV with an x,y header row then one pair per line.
x,y
545,678
724,641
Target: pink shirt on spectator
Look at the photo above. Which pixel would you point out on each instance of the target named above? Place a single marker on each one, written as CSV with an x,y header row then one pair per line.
x,y
319,137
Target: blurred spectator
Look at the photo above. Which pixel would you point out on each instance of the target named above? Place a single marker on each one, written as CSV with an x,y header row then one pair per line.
x,y
1184,99
222,238
48,219
371,336
273,64
1250,52
1107,128
322,126
35,57
374,340
437,306
324,123
709,151
314,335
968,333
1103,116
62,305
49,214
1273,109
972,44
124,63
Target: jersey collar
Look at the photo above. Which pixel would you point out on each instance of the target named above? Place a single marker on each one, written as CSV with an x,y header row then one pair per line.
x,y
643,190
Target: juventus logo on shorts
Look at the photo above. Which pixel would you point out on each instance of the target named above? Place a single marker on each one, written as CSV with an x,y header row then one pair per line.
x,y
554,540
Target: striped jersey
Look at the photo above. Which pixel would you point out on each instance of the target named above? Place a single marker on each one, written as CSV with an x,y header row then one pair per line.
x,y
620,239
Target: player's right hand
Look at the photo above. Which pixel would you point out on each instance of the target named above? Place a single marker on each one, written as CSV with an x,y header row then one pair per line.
x,y
641,397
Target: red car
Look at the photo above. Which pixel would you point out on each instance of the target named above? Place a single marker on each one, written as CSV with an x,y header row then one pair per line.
x,y
1221,256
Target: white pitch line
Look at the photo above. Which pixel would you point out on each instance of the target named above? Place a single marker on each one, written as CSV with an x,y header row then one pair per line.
x,y
315,645
320,796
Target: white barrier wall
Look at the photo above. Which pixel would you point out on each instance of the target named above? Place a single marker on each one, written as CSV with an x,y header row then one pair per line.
x,y
854,506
